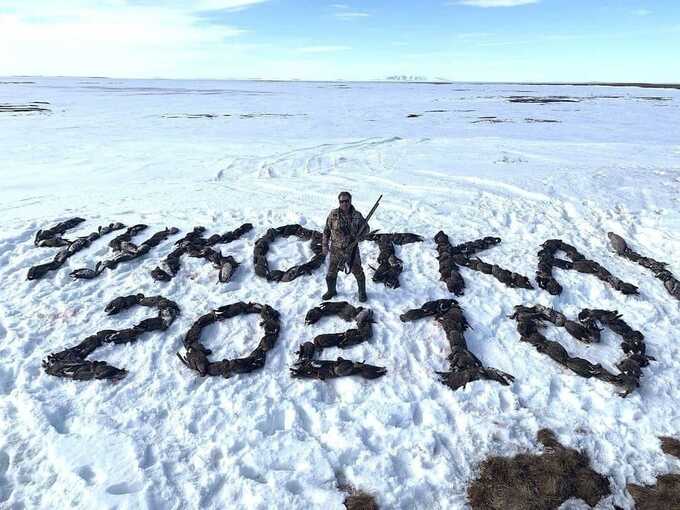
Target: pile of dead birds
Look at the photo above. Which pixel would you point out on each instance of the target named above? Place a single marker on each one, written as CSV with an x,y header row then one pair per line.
x,y
586,329
389,265
465,367
547,260
308,367
52,238
125,250
196,357
262,247
450,257
671,283
537,482
72,363
195,245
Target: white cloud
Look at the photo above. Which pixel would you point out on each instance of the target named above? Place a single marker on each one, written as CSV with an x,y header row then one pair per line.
x,y
229,5
641,12
323,49
474,35
351,14
198,5
344,11
116,40
494,3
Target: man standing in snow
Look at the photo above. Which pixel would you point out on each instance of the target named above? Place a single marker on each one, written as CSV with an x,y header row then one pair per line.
x,y
345,226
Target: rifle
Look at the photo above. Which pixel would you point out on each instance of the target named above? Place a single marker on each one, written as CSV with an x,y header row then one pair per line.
x,y
355,243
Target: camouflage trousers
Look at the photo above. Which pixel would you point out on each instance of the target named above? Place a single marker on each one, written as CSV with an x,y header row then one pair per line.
x,y
336,264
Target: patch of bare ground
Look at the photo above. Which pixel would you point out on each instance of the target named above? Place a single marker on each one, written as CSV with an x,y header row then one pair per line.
x,y
357,499
282,115
416,115
640,85
653,98
194,115
537,482
665,495
217,115
534,121
36,106
542,99
489,120
17,82
613,84
670,446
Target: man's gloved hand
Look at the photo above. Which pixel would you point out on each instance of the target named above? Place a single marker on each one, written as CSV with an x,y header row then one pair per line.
x,y
363,232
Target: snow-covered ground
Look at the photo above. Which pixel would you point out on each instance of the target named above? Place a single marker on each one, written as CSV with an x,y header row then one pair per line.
x,y
274,153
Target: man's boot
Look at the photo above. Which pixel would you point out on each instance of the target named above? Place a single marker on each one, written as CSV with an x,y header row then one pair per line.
x,y
361,282
330,283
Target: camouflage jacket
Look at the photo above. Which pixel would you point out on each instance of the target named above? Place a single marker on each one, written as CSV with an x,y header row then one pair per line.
x,y
341,229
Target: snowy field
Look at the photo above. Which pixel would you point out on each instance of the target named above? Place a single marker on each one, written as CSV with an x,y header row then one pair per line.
x,y
471,163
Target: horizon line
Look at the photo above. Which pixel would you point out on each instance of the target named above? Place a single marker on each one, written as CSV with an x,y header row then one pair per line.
x,y
640,84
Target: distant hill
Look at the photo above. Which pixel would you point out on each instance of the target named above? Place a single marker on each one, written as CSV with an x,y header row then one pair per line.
x,y
407,77
416,78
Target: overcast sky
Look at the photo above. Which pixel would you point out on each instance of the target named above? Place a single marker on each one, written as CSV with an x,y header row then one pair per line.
x,y
473,40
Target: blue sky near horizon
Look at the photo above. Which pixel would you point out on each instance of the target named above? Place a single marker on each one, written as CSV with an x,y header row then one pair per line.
x,y
464,40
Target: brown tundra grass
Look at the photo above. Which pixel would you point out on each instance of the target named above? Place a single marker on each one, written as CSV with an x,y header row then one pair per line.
x,y
358,499
665,495
537,482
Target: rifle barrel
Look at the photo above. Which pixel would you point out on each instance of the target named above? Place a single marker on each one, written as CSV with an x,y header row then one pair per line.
x,y
375,206
353,246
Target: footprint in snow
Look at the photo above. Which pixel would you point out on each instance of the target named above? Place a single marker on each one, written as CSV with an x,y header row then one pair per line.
x,y
120,489
87,474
